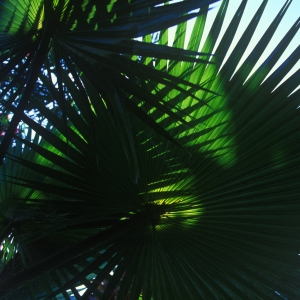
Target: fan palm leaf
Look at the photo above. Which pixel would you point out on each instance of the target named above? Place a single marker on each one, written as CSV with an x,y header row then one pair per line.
x,y
214,218
41,38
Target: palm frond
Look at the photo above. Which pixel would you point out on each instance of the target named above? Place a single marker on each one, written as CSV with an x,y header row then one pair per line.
x,y
216,218
90,37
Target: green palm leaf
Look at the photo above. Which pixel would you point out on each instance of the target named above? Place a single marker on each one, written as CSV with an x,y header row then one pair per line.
x,y
91,38
216,218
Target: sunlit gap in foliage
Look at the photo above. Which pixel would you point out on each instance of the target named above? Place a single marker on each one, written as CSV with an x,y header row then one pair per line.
x,y
8,248
251,8
289,19
101,287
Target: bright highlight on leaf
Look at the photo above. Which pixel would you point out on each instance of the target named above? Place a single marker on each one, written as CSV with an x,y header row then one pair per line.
x,y
18,17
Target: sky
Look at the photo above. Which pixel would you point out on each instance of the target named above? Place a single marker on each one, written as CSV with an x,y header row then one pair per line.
x,y
271,10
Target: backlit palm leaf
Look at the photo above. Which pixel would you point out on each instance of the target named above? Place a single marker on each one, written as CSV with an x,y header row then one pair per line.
x,y
41,38
215,220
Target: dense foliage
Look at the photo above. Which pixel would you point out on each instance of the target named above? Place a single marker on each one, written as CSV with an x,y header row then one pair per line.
x,y
143,171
